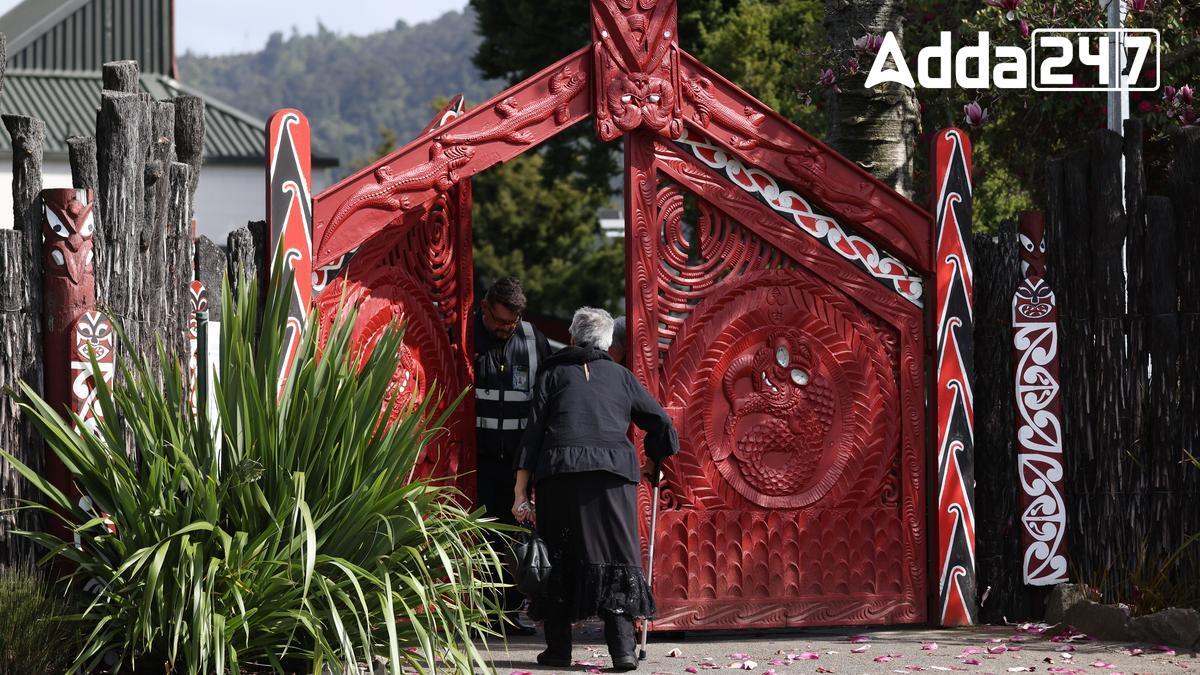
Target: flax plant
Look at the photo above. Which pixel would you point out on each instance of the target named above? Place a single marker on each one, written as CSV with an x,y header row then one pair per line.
x,y
294,538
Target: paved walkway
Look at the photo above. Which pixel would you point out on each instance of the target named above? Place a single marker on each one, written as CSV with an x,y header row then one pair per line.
x,y
988,649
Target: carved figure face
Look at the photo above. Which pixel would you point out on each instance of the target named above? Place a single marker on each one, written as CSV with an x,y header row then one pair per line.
x,y
639,99
783,368
1032,240
68,224
93,335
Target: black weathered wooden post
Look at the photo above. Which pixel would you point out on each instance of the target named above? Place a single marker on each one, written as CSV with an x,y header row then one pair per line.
x,y
1185,197
998,553
81,152
21,327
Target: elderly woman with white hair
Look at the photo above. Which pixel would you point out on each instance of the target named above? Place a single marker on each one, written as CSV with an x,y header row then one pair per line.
x,y
577,456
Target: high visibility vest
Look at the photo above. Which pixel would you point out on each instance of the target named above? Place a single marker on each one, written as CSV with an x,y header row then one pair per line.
x,y
504,392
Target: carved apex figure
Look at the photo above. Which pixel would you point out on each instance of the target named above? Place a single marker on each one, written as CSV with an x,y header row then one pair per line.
x,y
68,223
639,99
636,63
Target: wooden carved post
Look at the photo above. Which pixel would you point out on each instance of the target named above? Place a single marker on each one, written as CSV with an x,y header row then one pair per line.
x,y
69,290
289,217
635,64
954,325
1039,413
198,302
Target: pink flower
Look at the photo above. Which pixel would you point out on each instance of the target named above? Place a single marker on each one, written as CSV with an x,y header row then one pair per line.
x,y
1024,29
976,115
1169,92
1185,94
852,65
1009,6
870,43
1138,6
1189,117
827,78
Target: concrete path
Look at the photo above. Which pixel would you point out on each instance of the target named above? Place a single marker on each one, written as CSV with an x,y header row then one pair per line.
x,y
988,649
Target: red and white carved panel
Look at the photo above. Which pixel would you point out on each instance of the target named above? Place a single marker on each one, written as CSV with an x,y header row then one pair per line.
x,y
1039,414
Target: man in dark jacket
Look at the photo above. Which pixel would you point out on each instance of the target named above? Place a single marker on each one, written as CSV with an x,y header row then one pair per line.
x,y
508,352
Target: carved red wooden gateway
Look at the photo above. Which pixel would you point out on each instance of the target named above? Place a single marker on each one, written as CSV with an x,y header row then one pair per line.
x,y
776,300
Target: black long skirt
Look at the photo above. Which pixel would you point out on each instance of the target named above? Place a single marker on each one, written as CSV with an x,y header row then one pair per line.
x,y
589,523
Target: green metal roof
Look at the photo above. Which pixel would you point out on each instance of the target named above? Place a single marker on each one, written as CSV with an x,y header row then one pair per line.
x,y
81,35
67,101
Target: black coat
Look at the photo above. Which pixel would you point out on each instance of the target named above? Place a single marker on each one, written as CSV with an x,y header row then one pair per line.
x,y
582,407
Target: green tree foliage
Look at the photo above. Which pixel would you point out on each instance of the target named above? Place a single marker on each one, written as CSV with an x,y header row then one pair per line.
x,y
350,86
546,233
1024,127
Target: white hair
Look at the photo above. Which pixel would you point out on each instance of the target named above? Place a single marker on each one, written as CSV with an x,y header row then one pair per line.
x,y
592,327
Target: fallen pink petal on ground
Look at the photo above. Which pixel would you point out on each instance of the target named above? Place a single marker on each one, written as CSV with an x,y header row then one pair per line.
x,y
691,669
998,649
929,646
860,638
806,656
971,650
882,659
675,653
971,662
1101,664
859,650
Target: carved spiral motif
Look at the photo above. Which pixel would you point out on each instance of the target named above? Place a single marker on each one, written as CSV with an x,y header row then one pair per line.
x,y
787,389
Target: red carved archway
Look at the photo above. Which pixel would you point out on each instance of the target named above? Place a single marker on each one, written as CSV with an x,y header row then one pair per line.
x,y
789,344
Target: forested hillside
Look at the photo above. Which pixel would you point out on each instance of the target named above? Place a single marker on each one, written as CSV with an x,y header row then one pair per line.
x,y
351,87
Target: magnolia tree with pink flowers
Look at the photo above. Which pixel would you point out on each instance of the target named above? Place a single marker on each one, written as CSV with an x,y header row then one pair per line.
x,y
1013,129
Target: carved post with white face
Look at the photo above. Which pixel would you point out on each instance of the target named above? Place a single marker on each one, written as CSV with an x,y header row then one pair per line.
x,y
74,333
1039,413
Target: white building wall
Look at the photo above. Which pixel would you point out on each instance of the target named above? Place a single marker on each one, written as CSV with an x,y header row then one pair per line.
x,y
227,197
54,175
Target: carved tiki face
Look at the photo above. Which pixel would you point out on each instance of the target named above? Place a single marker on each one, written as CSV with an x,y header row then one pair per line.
x,y
68,223
1032,240
641,99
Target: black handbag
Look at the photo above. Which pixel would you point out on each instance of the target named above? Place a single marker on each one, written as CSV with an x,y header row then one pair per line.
x,y
529,564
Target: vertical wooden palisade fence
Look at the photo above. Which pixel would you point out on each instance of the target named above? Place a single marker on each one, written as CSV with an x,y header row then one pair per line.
x,y
1125,273
143,166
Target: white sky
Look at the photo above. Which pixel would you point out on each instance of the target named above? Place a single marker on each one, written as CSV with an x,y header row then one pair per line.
x,y
228,26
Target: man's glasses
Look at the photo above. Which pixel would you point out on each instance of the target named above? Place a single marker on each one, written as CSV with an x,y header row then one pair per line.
x,y
487,307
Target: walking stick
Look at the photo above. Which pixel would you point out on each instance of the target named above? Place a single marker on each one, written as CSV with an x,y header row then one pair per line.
x,y
654,479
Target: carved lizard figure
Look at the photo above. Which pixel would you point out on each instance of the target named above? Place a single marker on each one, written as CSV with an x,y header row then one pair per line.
x,y
565,85
698,90
389,192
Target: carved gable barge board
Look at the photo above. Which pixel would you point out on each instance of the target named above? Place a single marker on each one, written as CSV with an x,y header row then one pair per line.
x,y
509,124
759,218
766,139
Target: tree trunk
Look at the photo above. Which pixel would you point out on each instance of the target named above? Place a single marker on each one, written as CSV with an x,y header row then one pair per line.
x,y
875,127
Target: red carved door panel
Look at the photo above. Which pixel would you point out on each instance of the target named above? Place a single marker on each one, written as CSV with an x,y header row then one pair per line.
x,y
794,373
419,272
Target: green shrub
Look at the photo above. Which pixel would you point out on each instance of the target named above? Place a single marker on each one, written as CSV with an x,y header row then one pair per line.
x,y
33,636
301,539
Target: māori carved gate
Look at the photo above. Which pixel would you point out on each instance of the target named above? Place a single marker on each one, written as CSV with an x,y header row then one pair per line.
x,y
777,301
